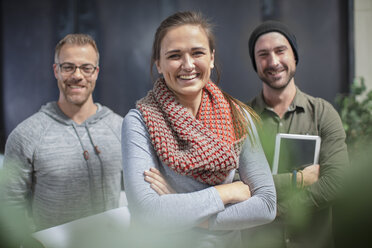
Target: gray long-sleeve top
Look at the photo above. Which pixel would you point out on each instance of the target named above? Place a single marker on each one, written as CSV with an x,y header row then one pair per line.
x,y
195,201
46,172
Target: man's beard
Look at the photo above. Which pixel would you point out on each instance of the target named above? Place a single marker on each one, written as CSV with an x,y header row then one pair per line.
x,y
76,99
271,83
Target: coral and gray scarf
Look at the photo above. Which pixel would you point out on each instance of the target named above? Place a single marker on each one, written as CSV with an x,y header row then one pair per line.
x,y
203,147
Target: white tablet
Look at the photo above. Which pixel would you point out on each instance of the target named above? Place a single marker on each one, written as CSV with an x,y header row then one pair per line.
x,y
295,151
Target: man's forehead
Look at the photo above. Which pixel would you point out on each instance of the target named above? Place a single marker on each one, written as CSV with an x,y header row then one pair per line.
x,y
74,50
271,39
73,46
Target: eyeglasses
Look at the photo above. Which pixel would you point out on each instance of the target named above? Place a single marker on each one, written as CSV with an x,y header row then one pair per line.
x,y
69,68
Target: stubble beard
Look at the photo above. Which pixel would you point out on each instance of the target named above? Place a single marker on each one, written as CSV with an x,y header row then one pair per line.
x,y
271,83
74,99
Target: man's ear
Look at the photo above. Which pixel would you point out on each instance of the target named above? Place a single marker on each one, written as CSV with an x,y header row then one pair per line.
x,y
55,70
96,73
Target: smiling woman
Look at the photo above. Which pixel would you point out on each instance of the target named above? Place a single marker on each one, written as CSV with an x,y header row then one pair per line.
x,y
185,63
194,137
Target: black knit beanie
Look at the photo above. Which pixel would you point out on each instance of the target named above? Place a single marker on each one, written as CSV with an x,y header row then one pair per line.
x,y
267,27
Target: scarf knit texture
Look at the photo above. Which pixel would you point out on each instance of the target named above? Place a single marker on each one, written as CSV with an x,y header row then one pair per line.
x,y
203,147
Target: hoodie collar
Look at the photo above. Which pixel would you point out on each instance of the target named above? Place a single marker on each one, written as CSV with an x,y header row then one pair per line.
x,y
51,109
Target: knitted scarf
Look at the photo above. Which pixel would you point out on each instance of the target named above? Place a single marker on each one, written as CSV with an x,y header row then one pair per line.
x,y
202,147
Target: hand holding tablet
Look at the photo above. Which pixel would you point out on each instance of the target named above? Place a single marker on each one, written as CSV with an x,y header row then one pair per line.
x,y
295,152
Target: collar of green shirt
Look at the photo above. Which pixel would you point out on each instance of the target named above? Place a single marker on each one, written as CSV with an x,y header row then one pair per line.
x,y
299,101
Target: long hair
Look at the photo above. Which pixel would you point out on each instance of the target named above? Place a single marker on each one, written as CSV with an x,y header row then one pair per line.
x,y
239,110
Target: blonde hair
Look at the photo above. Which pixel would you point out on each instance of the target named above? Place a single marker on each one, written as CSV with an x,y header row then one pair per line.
x,y
75,39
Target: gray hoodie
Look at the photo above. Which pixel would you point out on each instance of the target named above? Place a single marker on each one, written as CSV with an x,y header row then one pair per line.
x,y
61,171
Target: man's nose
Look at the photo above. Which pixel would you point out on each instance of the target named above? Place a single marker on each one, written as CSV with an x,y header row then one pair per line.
x,y
77,73
274,59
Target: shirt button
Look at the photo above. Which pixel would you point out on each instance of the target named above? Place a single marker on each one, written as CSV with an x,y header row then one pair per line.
x,y
280,124
287,240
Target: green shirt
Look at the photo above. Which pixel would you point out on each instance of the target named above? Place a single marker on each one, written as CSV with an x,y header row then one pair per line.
x,y
310,207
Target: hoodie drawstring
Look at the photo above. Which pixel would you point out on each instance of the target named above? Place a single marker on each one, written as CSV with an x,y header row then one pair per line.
x,y
86,157
98,152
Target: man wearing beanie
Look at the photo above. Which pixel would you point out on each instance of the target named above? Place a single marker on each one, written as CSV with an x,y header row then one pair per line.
x,y
305,197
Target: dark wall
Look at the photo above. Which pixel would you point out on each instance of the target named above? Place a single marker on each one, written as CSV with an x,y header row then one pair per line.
x,y
27,54
2,120
124,32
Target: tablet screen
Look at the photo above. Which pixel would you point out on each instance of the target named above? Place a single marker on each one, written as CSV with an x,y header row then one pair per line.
x,y
294,152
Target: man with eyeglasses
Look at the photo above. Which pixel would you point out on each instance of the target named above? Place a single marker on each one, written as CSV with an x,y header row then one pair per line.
x,y
64,162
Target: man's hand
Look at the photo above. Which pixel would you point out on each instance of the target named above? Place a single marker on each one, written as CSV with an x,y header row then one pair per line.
x,y
157,182
310,175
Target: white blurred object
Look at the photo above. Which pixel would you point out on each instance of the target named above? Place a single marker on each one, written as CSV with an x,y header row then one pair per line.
x,y
123,199
107,229
1,160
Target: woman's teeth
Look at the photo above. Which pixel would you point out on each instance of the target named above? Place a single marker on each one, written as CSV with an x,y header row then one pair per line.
x,y
187,77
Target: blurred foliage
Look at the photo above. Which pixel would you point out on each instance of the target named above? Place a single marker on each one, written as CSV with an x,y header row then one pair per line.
x,y
355,111
353,216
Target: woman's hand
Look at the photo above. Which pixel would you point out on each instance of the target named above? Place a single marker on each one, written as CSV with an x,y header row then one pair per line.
x,y
161,186
233,192
157,182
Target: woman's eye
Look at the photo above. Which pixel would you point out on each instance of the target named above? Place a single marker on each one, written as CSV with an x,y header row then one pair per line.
x,y
199,53
174,56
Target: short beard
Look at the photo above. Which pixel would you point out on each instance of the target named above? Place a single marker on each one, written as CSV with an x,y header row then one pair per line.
x,y
268,83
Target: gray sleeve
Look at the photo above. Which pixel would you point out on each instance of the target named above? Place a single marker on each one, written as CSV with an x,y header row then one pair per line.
x,y
114,122
16,181
175,211
260,209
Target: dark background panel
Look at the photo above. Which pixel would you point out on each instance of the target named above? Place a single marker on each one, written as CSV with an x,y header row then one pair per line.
x,y
27,55
322,37
2,120
124,33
